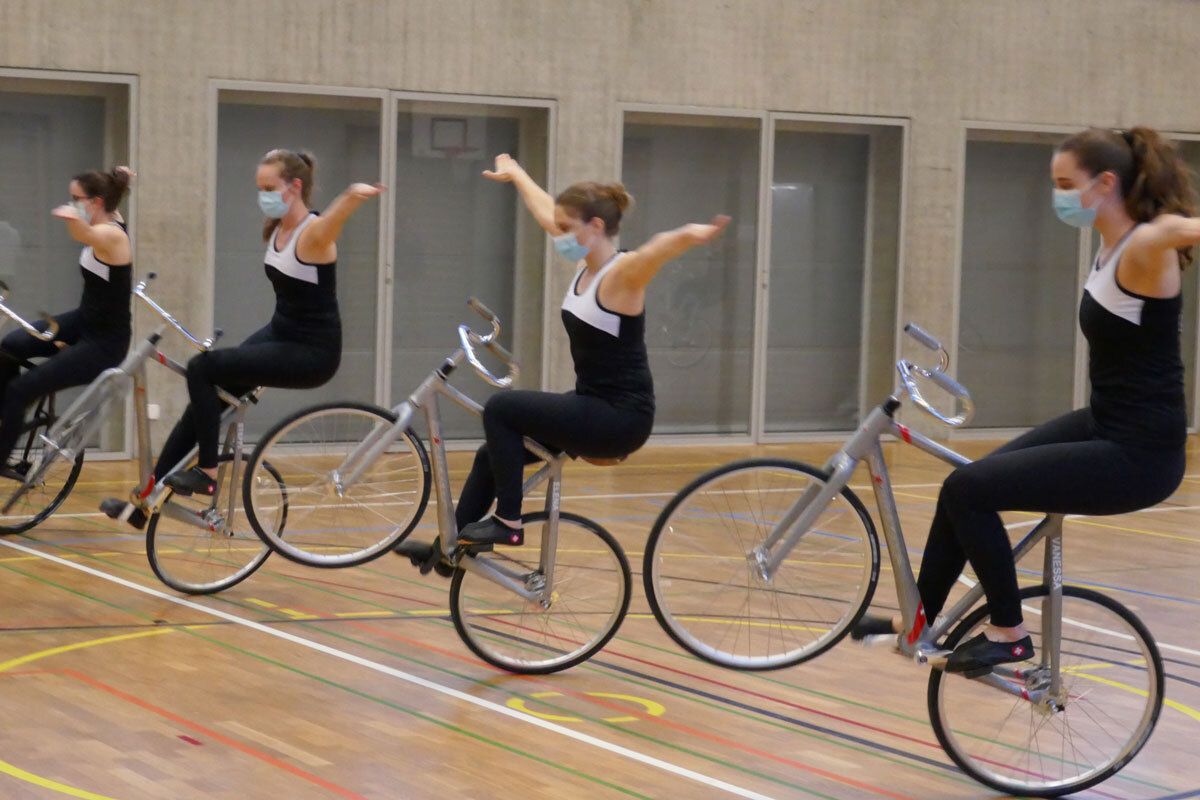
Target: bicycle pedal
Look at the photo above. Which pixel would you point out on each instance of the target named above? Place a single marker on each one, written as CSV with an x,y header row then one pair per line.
x,y
978,672
933,658
879,640
474,548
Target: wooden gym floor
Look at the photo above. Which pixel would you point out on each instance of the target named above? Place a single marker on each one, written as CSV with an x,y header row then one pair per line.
x,y
352,683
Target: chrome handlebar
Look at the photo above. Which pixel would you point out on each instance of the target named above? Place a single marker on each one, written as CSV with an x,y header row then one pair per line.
x,y
47,335
470,339
938,376
139,291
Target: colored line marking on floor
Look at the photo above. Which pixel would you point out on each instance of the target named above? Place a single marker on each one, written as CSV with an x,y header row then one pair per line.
x,y
1180,707
38,780
737,745
584,738
652,708
46,783
364,695
1184,796
275,762
66,648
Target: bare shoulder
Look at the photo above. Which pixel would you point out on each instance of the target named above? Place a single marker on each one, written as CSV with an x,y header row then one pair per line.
x,y
627,267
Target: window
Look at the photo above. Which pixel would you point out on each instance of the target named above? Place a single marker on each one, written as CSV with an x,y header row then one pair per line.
x,y
50,131
344,135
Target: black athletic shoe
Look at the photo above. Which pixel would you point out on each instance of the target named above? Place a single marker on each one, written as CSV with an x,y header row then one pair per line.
x,y
124,511
976,657
425,556
490,531
16,472
192,481
871,625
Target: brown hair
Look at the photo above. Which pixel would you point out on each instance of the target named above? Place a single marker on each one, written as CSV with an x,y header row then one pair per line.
x,y
291,166
1152,177
109,186
606,201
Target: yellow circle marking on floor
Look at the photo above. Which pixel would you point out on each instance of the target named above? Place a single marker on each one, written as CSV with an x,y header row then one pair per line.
x,y
38,780
652,708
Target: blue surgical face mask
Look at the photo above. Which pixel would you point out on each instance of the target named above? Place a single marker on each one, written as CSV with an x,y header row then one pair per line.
x,y
82,207
272,204
1068,205
569,247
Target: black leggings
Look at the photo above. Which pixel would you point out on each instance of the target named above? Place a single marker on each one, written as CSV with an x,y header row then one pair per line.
x,y
579,425
1060,467
76,365
264,359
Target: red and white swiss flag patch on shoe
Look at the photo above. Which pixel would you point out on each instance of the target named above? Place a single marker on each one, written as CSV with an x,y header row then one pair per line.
x,y
1018,651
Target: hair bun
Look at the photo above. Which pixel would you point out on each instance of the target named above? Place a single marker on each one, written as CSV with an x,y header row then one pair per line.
x,y
120,179
620,196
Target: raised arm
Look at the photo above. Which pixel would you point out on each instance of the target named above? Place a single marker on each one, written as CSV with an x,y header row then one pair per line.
x,y
323,232
537,200
105,240
110,244
635,271
1149,266
1167,232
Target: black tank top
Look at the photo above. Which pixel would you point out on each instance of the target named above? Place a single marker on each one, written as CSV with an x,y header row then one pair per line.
x,y
104,308
306,307
609,349
1133,360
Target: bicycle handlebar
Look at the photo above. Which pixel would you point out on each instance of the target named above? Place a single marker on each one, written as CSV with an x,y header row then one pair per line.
x,y
938,376
927,340
139,291
47,335
470,339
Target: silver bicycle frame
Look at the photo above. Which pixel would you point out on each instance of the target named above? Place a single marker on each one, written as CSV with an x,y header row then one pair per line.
x,y
534,586
919,641
232,419
116,382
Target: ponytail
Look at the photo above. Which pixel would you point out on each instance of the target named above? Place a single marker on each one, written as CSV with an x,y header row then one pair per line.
x,y
1153,178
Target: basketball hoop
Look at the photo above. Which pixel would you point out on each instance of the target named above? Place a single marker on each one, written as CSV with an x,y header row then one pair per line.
x,y
452,152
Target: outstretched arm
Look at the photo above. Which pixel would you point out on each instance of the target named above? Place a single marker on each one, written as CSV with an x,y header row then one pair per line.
x,y
325,229
537,200
635,271
101,238
1167,232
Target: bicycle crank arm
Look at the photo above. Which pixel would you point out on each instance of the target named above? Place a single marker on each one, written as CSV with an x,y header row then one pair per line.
x,y
931,656
198,520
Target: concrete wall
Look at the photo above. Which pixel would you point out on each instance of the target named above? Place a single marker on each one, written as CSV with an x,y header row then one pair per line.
x,y
937,62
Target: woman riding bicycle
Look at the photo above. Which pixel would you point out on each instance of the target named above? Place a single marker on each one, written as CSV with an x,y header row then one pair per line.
x,y
611,411
1123,452
301,346
94,336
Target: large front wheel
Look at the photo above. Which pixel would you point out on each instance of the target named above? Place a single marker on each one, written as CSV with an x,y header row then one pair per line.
x,y
330,523
707,591
1055,743
585,602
